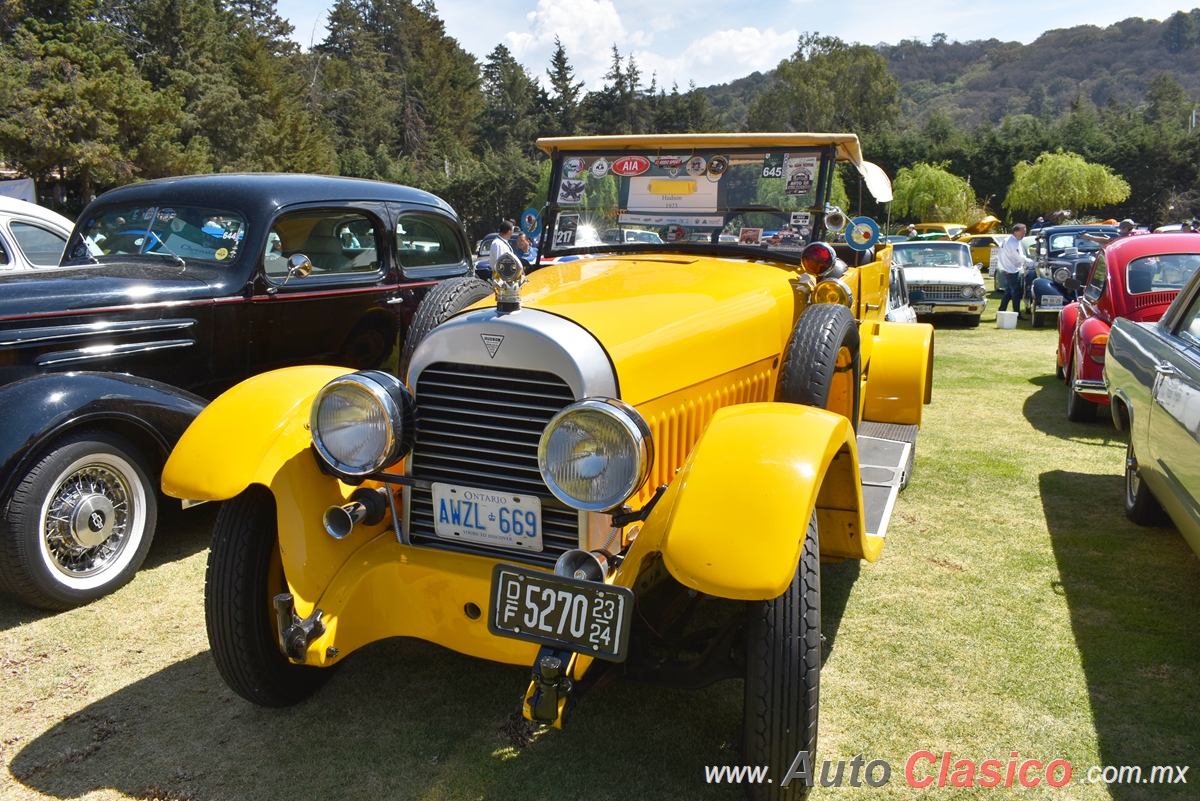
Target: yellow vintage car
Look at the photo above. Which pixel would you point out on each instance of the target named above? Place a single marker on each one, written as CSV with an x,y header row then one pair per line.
x,y
635,457
984,244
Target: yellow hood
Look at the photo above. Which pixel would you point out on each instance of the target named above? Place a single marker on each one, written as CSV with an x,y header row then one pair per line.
x,y
670,322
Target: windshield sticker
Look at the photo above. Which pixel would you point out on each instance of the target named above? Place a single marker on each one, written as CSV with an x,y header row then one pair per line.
x,y
675,233
571,192
750,236
166,214
801,171
564,232
784,240
574,167
221,254
627,166
717,166
696,166
599,168
773,165
801,218
177,225
670,164
671,219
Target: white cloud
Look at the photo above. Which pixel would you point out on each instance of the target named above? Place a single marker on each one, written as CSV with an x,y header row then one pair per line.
x,y
713,58
587,29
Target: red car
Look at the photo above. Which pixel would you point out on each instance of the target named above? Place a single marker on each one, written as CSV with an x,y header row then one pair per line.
x,y
1136,278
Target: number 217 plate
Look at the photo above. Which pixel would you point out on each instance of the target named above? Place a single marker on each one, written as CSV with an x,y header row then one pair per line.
x,y
566,613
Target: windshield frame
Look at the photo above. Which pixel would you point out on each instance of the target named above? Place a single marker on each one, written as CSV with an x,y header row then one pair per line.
x,y
826,158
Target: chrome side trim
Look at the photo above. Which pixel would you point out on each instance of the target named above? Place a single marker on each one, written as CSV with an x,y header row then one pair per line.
x,y
1089,387
32,336
100,352
532,340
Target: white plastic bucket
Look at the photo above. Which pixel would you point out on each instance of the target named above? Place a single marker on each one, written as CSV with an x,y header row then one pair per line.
x,y
1006,319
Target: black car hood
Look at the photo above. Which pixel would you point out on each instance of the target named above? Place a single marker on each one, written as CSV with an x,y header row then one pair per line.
x,y
108,285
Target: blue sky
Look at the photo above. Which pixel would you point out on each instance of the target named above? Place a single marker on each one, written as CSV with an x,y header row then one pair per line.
x,y
709,42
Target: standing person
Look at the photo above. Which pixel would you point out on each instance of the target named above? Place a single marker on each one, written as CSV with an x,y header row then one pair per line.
x,y
500,244
1013,263
525,251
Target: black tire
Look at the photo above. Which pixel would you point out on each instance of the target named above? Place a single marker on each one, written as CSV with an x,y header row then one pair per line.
x,y
1140,504
1079,408
783,678
443,302
80,523
245,573
822,366
1059,372
973,320
1038,320
368,345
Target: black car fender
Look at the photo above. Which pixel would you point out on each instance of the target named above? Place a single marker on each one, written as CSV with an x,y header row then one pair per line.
x,y
38,410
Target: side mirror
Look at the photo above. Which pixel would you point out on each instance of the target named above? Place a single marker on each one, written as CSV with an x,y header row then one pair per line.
x,y
299,266
978,265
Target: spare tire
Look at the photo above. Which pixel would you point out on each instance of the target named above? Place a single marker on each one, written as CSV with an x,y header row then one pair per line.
x,y
822,366
441,303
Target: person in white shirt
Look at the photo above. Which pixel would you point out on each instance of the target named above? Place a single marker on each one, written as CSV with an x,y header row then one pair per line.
x,y
500,244
1013,262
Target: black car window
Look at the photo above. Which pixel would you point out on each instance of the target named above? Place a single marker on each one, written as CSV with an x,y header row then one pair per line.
x,y
41,246
1096,285
981,242
188,232
427,242
335,241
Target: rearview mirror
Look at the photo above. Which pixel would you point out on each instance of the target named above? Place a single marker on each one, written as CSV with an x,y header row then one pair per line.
x,y
299,266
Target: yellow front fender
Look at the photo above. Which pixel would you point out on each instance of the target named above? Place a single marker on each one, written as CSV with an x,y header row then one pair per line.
x,y
899,380
244,436
733,522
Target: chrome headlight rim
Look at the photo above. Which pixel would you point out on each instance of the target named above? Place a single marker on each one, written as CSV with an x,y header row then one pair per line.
x,y
845,294
633,425
978,292
399,411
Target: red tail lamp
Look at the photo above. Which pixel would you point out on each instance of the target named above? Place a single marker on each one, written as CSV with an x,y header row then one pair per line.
x,y
818,258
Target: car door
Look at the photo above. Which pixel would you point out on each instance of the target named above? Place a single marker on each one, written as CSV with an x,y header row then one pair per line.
x,y
40,245
1174,431
338,313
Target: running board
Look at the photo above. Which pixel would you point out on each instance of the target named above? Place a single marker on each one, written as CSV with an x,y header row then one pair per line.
x,y
884,460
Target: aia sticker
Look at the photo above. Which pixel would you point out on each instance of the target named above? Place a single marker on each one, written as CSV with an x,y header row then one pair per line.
x,y
630,165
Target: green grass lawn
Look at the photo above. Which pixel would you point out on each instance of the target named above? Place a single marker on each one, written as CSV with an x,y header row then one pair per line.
x,y
1014,609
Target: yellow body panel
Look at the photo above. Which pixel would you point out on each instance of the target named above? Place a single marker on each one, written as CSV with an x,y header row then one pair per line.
x,y
900,380
733,521
672,322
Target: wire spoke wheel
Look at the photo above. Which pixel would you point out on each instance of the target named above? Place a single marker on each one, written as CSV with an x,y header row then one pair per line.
x,y
86,520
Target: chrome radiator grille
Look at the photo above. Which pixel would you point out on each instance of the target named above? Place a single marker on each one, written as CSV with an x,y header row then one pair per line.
x,y
479,427
940,291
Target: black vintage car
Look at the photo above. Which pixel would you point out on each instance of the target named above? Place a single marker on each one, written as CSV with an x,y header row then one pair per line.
x,y
1065,257
170,292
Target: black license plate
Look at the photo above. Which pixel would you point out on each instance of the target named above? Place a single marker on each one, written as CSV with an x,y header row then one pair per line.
x,y
566,613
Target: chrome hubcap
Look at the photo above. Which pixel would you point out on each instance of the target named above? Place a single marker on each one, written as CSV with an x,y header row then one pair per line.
x,y
87,519
1131,475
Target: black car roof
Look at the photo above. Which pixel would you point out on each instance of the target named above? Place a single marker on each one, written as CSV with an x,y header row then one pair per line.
x,y
263,191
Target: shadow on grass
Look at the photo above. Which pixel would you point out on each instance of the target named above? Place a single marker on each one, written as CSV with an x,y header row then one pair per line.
x,y
179,535
1046,410
1132,594
837,580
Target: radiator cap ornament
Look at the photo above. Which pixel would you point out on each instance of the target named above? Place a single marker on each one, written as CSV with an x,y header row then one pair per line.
x,y
508,273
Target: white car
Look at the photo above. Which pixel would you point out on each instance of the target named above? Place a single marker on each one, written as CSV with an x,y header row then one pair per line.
x,y
31,237
941,278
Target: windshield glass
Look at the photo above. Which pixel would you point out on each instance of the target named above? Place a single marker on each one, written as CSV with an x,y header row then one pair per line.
x,y
1061,242
188,232
932,254
756,199
1166,273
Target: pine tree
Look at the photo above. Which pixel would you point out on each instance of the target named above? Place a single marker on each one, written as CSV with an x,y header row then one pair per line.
x,y
565,93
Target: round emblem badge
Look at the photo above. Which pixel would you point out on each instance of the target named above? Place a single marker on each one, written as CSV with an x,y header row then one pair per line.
x,y
574,167
717,166
599,167
697,166
220,254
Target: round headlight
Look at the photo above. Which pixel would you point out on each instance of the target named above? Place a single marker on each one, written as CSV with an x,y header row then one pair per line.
x,y
363,422
967,292
817,258
595,454
1062,274
834,291
978,292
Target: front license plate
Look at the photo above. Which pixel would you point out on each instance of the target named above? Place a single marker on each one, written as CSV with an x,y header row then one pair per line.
x,y
487,517
566,613
1051,302
923,309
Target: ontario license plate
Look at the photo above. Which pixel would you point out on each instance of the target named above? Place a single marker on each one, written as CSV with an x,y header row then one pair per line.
x,y
487,517
566,613
1050,302
923,309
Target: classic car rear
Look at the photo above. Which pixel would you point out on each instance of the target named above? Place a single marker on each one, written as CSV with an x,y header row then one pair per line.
x,y
1152,372
190,285
1136,278
942,279
635,456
